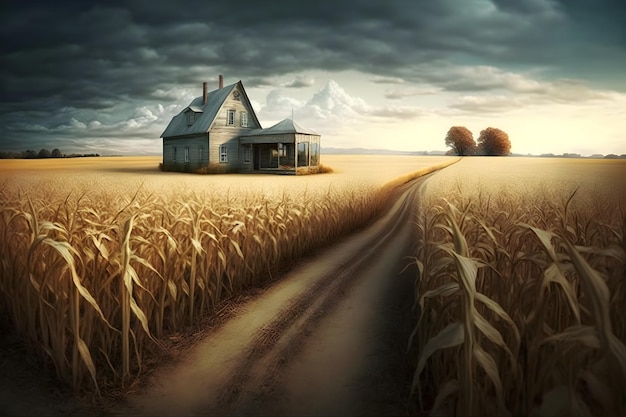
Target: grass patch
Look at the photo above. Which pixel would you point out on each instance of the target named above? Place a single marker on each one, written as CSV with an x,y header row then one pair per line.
x,y
317,169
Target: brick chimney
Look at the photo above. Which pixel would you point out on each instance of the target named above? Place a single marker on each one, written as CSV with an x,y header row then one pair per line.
x,y
204,93
221,85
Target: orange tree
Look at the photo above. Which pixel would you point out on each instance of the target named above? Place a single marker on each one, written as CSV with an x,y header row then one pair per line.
x,y
493,141
461,140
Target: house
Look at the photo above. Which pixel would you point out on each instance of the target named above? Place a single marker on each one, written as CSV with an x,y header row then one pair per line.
x,y
221,128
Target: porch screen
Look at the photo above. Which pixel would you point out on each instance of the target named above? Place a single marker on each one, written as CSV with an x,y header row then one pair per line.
x,y
303,154
315,152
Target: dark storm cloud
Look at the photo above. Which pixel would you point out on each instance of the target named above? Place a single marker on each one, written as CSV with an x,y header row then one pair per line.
x,y
114,57
599,20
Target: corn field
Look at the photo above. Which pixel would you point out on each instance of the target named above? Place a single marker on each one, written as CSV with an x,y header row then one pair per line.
x,y
521,298
95,281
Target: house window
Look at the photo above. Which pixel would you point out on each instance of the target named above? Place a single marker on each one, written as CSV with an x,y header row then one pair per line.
x,y
201,152
223,153
246,154
186,153
282,151
236,95
244,119
174,154
230,120
191,117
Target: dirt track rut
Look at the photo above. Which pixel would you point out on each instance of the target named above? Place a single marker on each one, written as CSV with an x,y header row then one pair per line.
x,y
327,339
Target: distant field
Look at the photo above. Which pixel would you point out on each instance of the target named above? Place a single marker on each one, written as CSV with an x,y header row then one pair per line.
x,y
545,177
113,172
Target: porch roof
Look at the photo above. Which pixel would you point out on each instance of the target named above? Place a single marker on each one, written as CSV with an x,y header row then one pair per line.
x,y
275,138
282,127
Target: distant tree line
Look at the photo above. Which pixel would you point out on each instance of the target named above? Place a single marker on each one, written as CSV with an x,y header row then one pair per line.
x,y
491,142
43,153
577,155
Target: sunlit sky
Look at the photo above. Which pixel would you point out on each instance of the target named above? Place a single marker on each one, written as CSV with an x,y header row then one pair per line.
x,y
107,78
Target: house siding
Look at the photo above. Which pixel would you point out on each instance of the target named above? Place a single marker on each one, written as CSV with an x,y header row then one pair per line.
x,y
220,133
197,159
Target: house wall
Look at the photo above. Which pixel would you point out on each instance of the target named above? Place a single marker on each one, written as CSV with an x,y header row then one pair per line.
x,y
221,133
198,153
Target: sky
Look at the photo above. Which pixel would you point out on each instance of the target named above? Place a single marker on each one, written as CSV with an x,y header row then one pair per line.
x,y
107,77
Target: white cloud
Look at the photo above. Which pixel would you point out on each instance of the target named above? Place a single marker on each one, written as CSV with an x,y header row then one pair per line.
x,y
486,104
176,93
77,124
73,124
332,102
278,105
387,80
145,114
400,93
299,82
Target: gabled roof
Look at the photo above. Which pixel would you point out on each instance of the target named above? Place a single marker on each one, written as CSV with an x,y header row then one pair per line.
x,y
205,114
284,126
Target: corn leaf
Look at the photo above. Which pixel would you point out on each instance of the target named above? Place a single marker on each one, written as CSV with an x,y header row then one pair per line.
x,y
586,335
83,350
448,389
450,336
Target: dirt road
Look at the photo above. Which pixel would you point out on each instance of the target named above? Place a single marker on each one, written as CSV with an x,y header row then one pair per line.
x,y
328,339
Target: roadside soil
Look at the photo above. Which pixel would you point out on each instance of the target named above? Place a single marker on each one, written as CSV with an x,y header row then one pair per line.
x,y
328,338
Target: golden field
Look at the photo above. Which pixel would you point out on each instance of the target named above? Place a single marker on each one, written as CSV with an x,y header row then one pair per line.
x,y
102,257
522,288
111,173
519,299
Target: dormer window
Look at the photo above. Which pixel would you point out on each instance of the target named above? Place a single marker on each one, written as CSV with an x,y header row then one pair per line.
x,y
192,114
237,96
230,120
191,117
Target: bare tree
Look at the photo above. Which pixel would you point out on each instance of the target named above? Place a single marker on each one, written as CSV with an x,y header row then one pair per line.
x,y
461,140
494,142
